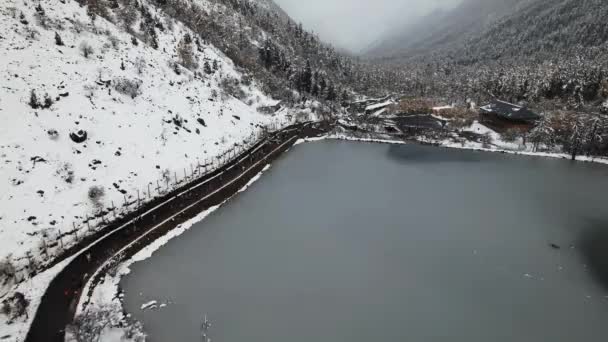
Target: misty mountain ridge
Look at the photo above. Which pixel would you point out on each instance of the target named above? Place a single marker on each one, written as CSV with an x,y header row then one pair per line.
x,y
477,25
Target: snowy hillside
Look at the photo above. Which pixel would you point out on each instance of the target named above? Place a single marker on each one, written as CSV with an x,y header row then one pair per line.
x,y
150,115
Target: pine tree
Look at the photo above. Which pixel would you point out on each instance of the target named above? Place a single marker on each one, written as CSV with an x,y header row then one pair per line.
x,y
331,93
58,40
345,96
542,134
39,9
315,89
207,68
307,78
184,51
322,85
34,100
48,102
187,39
154,38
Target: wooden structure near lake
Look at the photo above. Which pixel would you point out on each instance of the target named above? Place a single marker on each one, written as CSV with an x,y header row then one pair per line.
x,y
502,116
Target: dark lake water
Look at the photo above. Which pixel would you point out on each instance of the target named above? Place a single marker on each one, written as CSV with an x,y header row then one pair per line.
x,y
357,242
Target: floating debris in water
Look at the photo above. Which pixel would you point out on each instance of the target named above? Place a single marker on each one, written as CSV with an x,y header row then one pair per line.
x,y
555,246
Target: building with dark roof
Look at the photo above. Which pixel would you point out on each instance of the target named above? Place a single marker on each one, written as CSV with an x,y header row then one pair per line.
x,y
501,115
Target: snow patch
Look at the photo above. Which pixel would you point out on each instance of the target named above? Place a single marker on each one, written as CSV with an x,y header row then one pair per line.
x,y
149,305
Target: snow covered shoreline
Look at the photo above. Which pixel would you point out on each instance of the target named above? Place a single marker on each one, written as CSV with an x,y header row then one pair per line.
x,y
104,295
93,153
37,286
471,146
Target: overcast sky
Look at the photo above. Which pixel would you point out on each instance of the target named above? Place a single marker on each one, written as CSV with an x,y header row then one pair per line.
x,y
355,24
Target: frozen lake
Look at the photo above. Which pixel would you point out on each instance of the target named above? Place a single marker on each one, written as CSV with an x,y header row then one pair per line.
x,y
357,242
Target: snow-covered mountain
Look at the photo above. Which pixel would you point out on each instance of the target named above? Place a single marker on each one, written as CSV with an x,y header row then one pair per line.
x,y
271,6
550,53
153,99
492,29
444,28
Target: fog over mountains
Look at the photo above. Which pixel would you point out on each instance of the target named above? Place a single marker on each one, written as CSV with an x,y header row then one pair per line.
x,y
356,24
495,29
443,27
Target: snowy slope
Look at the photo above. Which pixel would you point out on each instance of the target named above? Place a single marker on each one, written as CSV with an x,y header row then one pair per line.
x,y
272,6
132,142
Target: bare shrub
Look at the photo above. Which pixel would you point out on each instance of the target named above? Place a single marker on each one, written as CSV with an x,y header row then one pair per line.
x,y
128,87
40,16
127,15
134,331
184,52
34,103
77,25
207,68
88,326
12,11
48,101
232,87
90,90
166,175
175,67
23,19
486,140
140,65
96,194
6,308
66,173
114,41
15,306
413,106
7,271
247,80
302,116
511,135
86,49
32,34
